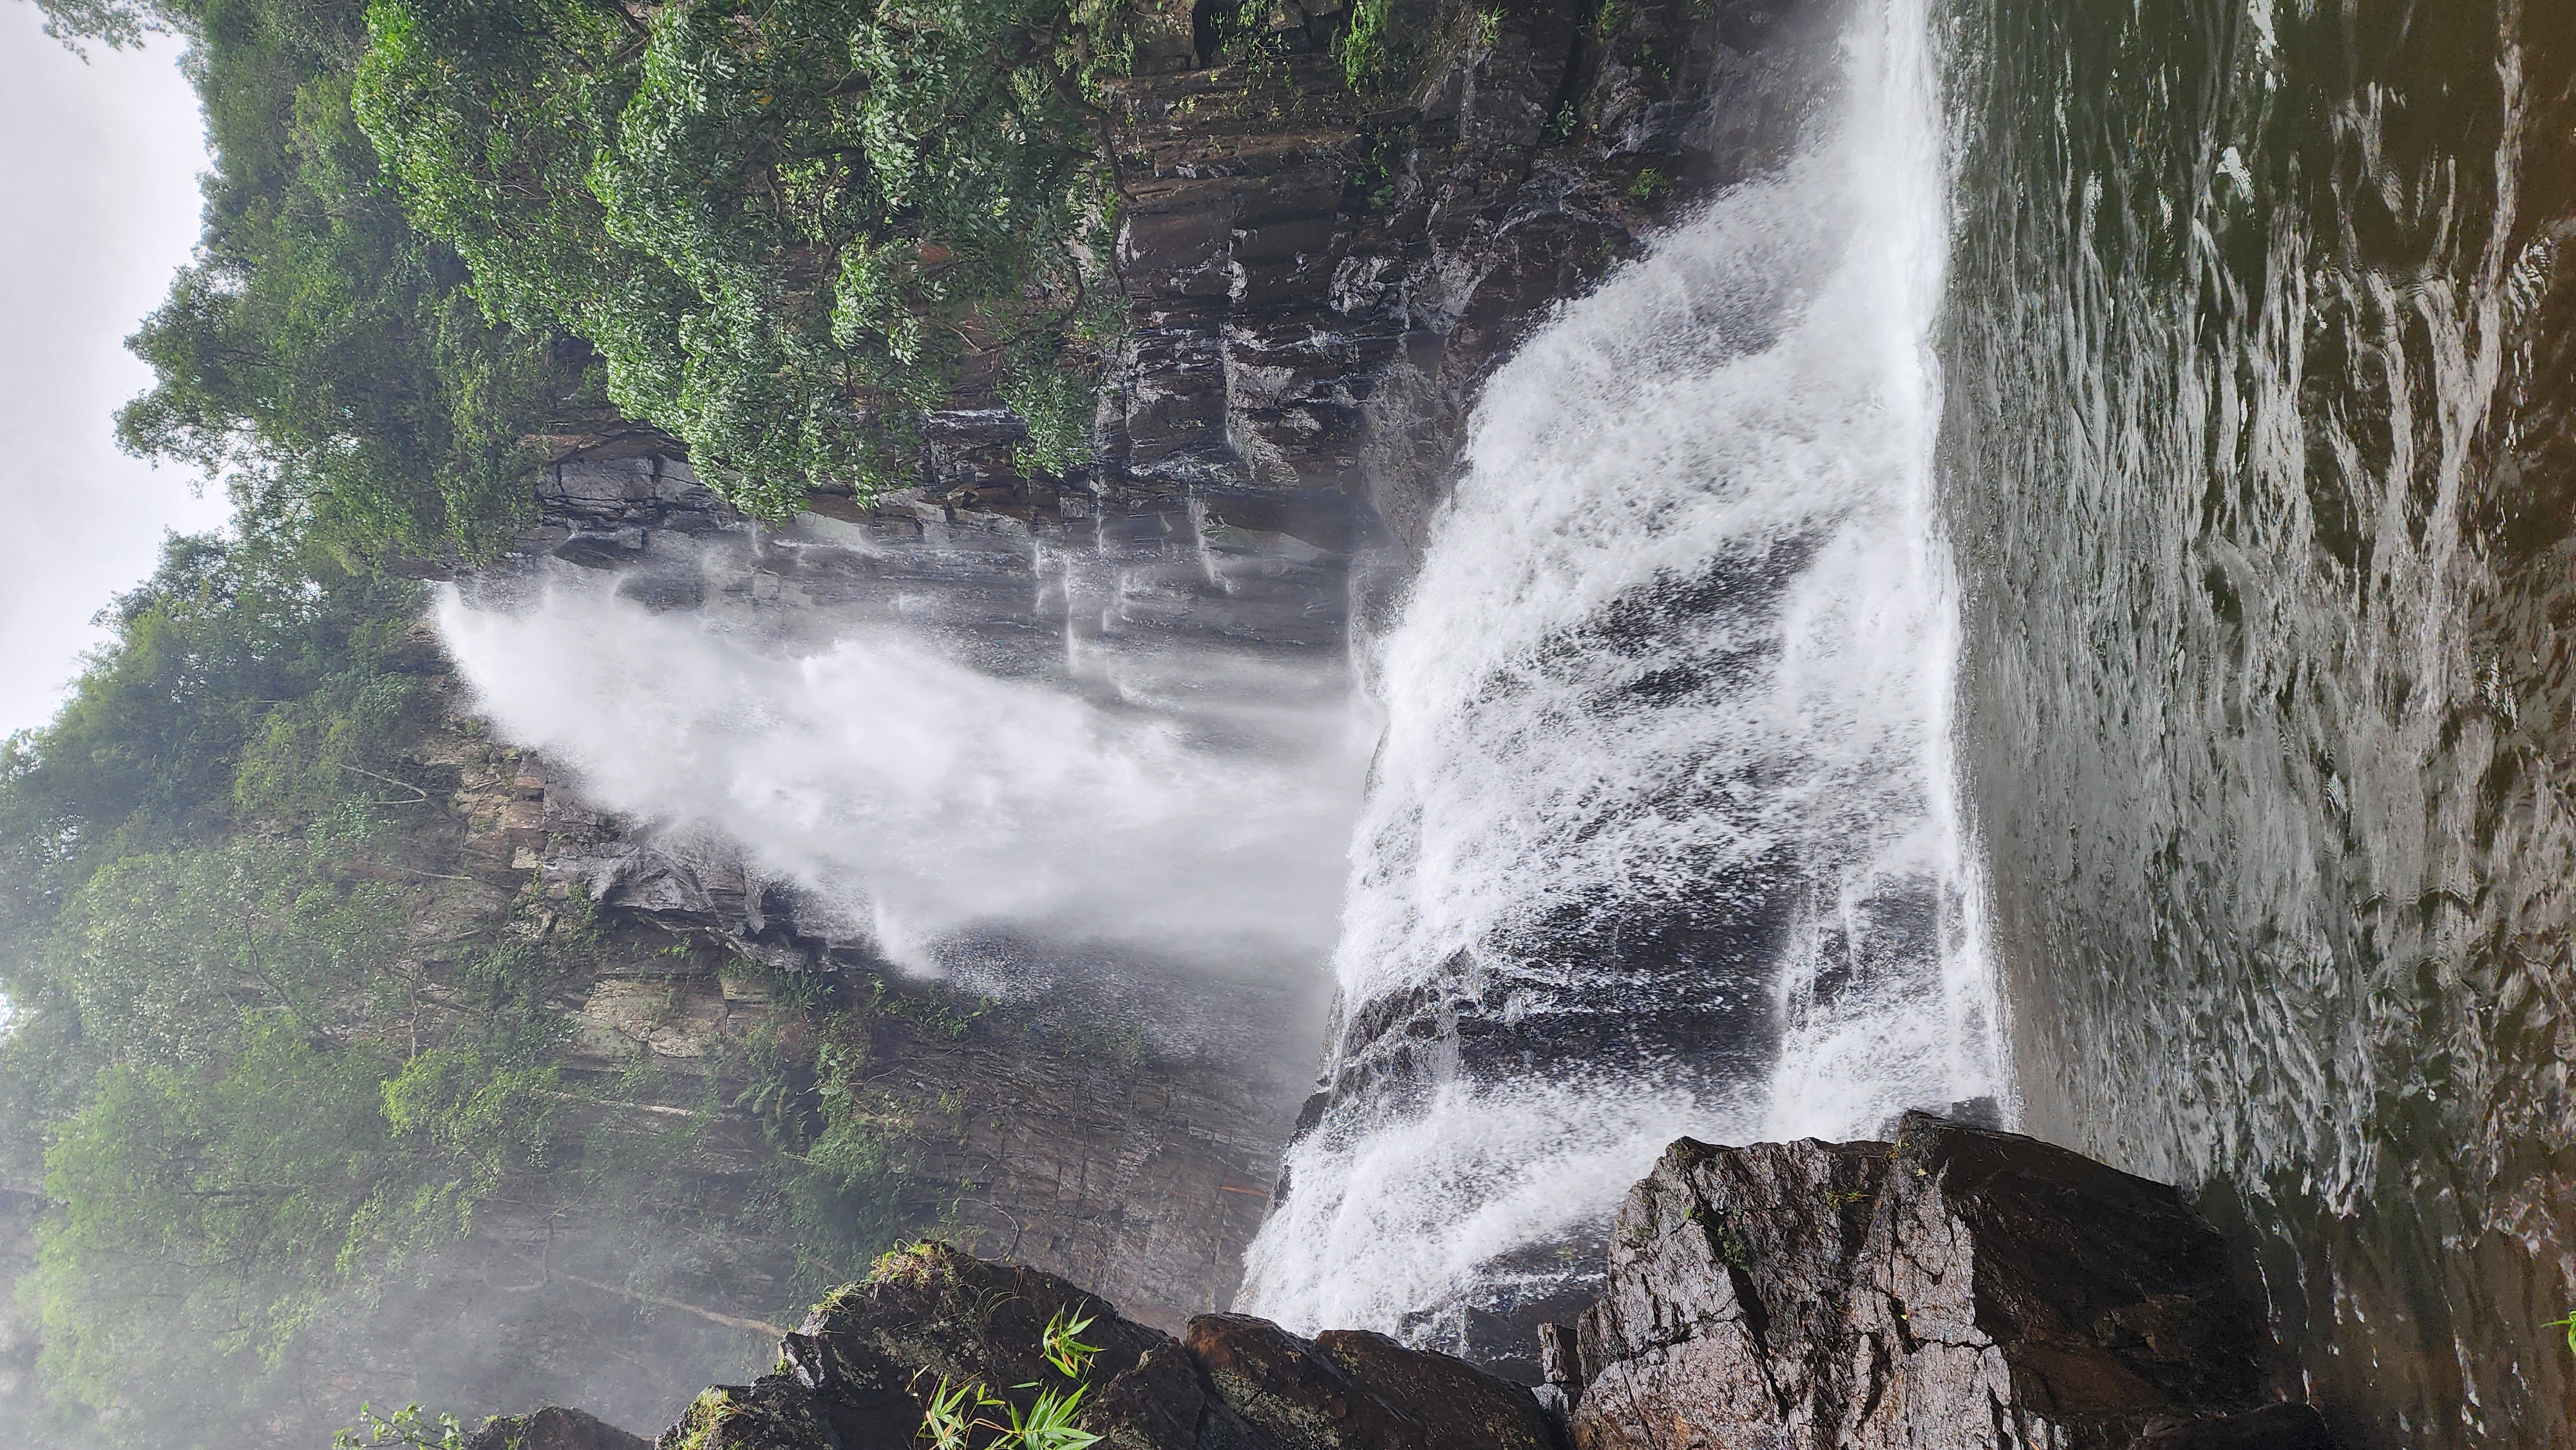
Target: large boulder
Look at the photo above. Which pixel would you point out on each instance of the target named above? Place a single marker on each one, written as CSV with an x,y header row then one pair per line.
x,y
1960,1287
867,1364
1957,1289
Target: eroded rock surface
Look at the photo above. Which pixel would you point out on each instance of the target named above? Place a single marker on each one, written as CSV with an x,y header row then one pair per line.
x,y
1321,279
1959,1287
2273,1427
553,1428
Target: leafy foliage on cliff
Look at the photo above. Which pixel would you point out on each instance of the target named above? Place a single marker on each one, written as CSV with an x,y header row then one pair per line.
x,y
787,226
219,1070
320,352
229,646
443,239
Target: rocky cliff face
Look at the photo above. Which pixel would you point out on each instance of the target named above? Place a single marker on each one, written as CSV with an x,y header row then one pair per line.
x,y
1959,1287
1051,1133
1098,1126
1322,278
1319,279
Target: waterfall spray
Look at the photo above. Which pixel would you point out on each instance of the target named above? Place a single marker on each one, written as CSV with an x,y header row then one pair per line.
x,y
997,771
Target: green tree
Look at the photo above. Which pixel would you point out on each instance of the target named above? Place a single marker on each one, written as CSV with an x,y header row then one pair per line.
x,y
163,953
788,226
205,1216
320,352
118,24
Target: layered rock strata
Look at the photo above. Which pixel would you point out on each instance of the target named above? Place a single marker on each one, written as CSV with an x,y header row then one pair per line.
x,y
1959,1287
1321,278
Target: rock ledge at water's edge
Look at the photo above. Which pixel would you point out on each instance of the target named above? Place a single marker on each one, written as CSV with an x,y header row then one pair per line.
x,y
1959,1287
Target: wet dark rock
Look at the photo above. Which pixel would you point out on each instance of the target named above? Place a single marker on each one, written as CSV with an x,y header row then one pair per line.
x,y
862,1370
935,1312
601,550
1459,1406
1289,1392
1322,281
773,1412
1349,1389
552,1428
2273,1427
1959,1287
648,489
1160,1403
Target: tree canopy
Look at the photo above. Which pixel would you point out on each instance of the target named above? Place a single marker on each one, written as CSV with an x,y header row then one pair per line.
x,y
445,239
787,226
219,1070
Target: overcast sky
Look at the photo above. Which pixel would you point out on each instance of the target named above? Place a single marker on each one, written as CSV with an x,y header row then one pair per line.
x,y
98,203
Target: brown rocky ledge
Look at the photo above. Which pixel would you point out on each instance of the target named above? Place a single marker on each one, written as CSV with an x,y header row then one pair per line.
x,y
1959,1287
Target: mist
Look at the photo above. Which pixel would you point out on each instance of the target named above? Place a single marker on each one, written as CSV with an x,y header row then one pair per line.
x,y
927,800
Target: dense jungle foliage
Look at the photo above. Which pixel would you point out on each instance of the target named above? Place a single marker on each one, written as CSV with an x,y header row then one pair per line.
x,y
443,236
218,1070
264,1076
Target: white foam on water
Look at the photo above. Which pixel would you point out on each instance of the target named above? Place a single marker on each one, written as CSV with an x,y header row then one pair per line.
x,y
1753,403
1518,1164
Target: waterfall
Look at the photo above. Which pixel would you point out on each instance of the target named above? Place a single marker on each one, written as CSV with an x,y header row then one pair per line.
x,y
1661,837
1000,760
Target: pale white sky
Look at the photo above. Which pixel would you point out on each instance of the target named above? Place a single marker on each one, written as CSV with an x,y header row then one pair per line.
x,y
98,204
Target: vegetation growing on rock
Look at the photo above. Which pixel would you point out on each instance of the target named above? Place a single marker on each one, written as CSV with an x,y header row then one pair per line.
x,y
271,1058
442,238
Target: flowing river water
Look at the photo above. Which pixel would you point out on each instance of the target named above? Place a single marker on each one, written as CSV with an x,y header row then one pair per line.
x,y
2259,453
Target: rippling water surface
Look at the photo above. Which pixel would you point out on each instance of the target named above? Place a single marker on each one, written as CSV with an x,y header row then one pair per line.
x,y
2258,450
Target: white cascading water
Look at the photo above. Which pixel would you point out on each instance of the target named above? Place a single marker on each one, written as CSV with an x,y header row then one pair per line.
x,y
924,797
1720,462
